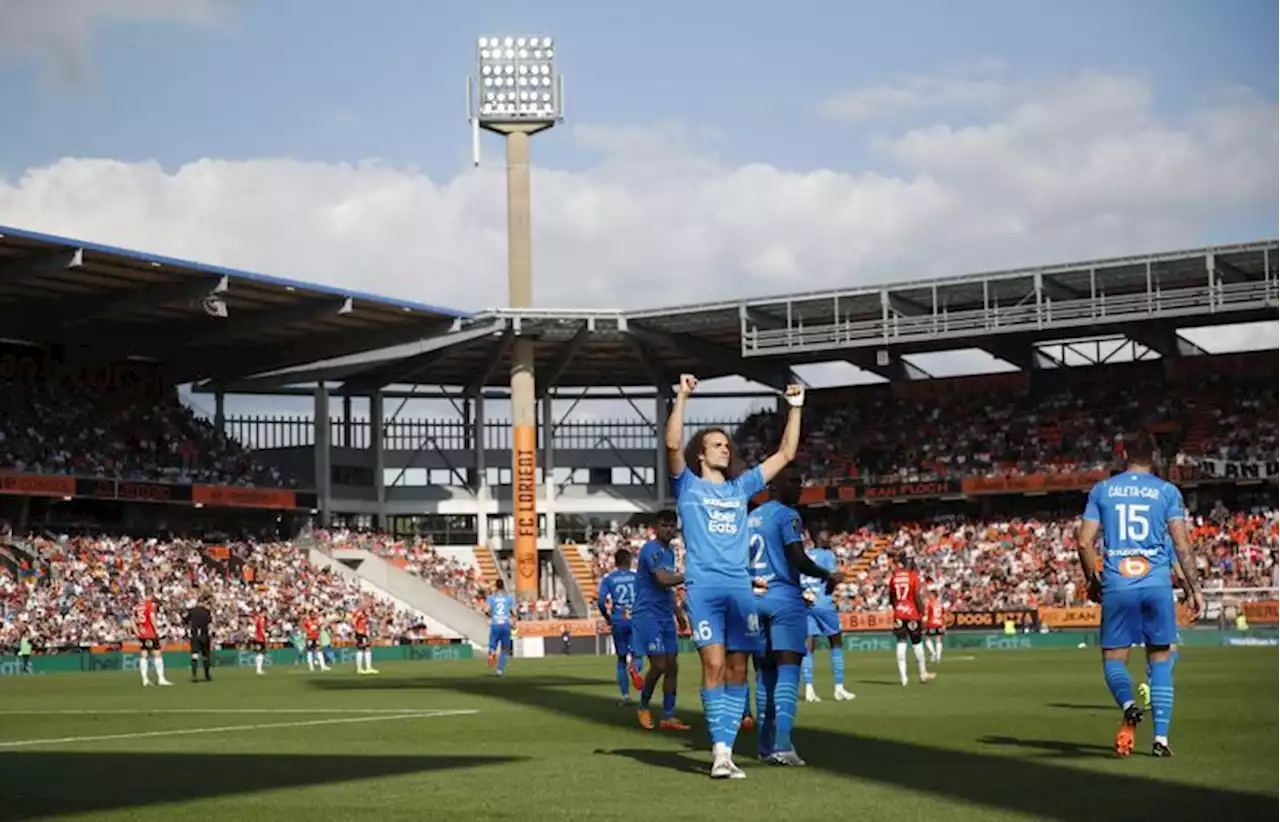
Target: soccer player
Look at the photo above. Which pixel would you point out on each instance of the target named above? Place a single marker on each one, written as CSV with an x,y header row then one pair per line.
x,y
934,626
711,491
616,598
654,622
823,621
144,628
364,642
311,630
1134,511
501,607
778,560
199,635
259,640
904,595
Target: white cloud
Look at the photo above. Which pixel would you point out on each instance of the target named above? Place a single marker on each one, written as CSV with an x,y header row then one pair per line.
x,y
1086,168
60,33
962,86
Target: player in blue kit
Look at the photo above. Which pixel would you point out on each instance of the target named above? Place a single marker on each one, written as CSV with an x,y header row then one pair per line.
x,y
502,609
1134,511
711,489
778,559
616,599
655,620
823,621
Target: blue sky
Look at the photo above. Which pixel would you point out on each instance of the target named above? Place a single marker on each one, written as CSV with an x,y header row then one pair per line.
x,y
321,80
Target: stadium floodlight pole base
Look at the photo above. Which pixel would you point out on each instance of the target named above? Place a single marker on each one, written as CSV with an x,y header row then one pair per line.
x,y
524,421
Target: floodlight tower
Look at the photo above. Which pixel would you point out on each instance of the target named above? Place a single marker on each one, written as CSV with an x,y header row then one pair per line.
x,y
517,94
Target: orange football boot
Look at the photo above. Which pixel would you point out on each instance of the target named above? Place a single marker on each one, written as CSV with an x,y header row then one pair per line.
x,y
672,724
646,719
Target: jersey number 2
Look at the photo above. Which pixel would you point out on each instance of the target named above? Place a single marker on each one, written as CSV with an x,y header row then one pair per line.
x,y
1135,525
758,562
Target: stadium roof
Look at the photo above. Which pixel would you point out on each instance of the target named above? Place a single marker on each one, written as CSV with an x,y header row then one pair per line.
x,y
202,321
1144,298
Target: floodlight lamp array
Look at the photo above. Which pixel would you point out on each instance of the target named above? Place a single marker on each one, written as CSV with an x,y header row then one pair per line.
x,y
517,79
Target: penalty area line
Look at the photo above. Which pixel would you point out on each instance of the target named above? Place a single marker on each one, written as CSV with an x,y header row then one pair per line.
x,y
312,723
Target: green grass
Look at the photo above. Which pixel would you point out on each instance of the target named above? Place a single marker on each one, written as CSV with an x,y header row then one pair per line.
x,y
999,736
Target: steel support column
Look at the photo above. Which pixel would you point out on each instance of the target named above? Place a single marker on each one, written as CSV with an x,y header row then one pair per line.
x,y
377,443
323,477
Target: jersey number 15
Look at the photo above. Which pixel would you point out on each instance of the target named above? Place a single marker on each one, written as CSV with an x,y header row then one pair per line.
x,y
1135,523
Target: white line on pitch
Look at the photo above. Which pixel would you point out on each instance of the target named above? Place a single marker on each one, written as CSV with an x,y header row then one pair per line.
x,y
197,711
22,743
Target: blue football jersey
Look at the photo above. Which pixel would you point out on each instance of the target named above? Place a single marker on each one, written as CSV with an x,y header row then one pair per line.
x,y
713,521
653,599
1134,510
774,526
824,558
618,593
502,608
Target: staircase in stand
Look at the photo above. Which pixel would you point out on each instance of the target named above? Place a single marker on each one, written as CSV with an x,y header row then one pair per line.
x,y
1199,429
581,570
487,566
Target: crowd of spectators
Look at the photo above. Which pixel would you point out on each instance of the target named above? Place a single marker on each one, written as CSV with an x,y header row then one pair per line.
x,y
73,427
1008,563
877,435
418,556
79,592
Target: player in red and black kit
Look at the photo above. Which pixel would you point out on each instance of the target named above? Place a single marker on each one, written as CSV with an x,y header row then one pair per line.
x,y
311,630
144,628
259,640
364,640
908,606
935,626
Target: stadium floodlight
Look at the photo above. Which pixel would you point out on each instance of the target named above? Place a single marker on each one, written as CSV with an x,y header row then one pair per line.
x,y
517,93
516,87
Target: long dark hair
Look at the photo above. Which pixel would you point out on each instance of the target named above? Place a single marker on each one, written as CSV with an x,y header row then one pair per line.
x,y
693,453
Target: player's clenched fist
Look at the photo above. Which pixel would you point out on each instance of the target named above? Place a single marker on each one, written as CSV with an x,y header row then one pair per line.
x,y
688,382
794,395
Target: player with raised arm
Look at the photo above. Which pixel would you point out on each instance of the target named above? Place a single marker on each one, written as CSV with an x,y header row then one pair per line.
x,y
259,639
908,607
364,639
655,620
711,491
778,559
823,621
501,607
1134,511
935,625
616,598
144,628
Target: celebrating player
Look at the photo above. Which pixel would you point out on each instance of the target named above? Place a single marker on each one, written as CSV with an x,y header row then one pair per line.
x,y
904,595
711,490
501,607
616,599
1134,511
259,640
935,628
654,621
364,641
777,561
823,621
144,628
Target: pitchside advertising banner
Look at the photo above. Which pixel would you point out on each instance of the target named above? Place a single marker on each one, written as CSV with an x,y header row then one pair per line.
x,y
217,496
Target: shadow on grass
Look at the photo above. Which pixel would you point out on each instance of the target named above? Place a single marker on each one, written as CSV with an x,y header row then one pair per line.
x,y
686,761
1053,748
1021,785
1072,706
40,784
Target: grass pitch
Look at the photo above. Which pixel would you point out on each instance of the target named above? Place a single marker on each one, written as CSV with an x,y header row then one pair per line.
x,y
998,736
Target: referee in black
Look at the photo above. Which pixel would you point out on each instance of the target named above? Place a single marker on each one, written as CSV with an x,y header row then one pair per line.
x,y
199,633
